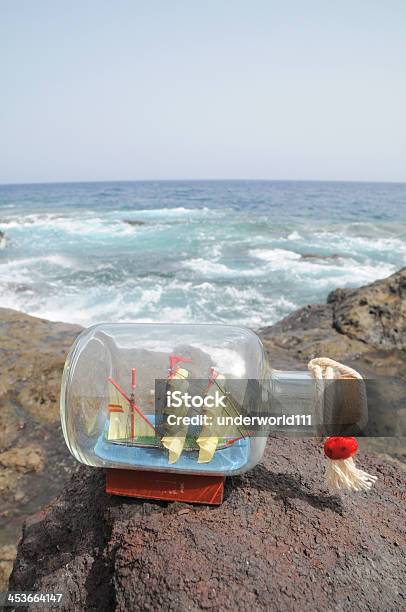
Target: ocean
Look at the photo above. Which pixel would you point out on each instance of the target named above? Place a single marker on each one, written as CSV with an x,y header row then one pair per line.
x,y
240,252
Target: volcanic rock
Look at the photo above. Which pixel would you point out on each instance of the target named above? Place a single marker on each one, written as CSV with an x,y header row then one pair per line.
x,y
134,222
375,314
34,460
364,327
333,256
279,541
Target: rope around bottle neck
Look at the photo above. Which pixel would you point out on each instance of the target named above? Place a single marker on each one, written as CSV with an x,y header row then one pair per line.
x,y
324,368
341,472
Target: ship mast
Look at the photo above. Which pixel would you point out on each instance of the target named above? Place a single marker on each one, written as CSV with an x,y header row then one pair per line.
x,y
132,402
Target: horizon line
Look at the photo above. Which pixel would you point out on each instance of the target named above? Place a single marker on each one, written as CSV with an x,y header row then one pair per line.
x,y
202,180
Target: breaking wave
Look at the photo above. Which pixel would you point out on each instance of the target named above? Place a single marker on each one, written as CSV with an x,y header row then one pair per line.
x,y
155,253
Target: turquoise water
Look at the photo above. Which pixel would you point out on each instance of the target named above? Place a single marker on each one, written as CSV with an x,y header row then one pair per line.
x,y
238,252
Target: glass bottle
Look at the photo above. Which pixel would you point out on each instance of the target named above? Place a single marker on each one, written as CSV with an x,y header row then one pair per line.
x,y
127,388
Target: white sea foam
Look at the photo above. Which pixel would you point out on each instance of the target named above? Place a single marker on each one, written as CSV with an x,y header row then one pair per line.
x,y
205,266
149,299
203,302
275,256
215,269
243,293
351,274
352,244
294,236
276,259
165,314
178,211
78,308
28,262
83,225
215,250
30,220
225,360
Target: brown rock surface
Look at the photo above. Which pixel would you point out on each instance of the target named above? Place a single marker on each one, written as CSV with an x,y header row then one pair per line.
x,y
376,315
278,542
34,460
364,327
299,542
29,458
7,556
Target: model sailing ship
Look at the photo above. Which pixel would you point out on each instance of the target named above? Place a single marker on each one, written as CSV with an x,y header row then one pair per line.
x,y
129,426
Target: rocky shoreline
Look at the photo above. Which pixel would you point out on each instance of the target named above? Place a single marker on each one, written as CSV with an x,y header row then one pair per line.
x,y
34,461
364,327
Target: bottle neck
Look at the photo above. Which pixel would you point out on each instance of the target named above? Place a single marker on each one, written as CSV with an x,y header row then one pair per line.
x,y
336,406
293,392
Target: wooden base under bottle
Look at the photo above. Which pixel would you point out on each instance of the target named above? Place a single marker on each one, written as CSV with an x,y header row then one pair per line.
x,y
165,486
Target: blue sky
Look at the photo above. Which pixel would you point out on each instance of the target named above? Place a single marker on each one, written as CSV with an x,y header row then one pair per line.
x,y
97,90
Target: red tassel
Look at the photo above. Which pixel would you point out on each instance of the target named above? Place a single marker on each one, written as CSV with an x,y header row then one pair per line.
x,y
341,471
338,447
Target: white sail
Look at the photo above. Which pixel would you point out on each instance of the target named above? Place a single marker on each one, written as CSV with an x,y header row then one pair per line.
x,y
175,444
119,413
209,435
